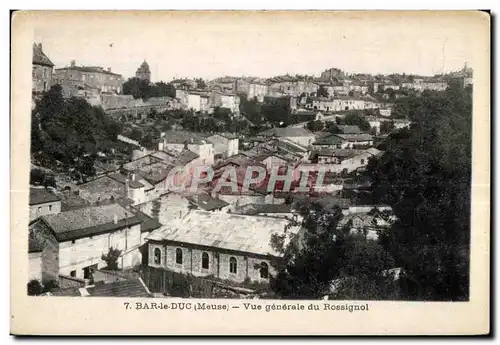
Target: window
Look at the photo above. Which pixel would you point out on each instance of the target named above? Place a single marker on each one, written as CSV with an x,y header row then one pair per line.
x,y
33,72
362,161
205,264
50,207
73,273
233,266
264,270
73,242
39,209
157,256
178,256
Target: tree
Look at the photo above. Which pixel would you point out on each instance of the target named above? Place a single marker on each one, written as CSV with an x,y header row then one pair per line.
x,y
111,258
315,126
35,288
332,127
355,118
428,187
200,83
322,92
138,88
386,127
325,255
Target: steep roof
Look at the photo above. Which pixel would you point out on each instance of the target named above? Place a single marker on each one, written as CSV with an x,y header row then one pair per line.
x,y
42,196
248,234
89,221
39,57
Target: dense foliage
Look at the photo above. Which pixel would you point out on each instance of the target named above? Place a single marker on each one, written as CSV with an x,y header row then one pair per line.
x,y
354,118
70,131
140,88
425,175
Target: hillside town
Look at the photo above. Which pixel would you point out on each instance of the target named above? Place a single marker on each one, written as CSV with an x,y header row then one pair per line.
x,y
212,188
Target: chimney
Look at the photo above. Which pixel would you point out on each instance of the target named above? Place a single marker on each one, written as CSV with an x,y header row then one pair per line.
x,y
115,219
72,63
109,69
133,177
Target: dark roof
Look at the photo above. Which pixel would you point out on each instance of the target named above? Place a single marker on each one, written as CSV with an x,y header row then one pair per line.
x,y
89,69
122,178
329,140
39,57
147,223
287,132
187,156
355,137
125,288
72,201
89,221
206,202
42,196
339,153
183,137
348,129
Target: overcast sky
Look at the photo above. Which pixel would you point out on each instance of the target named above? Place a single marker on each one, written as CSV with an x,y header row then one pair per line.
x,y
210,45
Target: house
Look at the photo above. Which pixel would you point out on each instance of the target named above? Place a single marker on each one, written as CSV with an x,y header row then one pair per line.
x,y
89,78
225,145
368,225
268,210
401,123
42,69
43,201
331,141
355,140
288,102
197,101
73,242
226,246
374,123
35,251
178,141
300,136
271,160
226,100
114,187
254,89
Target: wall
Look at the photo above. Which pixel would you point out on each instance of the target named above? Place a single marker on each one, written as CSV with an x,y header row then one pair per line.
x,y
41,78
35,266
93,248
205,151
44,209
128,140
219,262
50,253
118,101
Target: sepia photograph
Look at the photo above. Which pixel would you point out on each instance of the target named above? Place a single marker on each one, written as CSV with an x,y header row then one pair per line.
x,y
252,161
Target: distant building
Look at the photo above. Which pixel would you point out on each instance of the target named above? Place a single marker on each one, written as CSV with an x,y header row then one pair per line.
x,y
300,136
289,102
43,202
143,72
226,246
42,70
92,78
226,100
332,73
226,145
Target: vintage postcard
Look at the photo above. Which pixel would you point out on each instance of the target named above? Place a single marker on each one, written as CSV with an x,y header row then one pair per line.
x,y
250,173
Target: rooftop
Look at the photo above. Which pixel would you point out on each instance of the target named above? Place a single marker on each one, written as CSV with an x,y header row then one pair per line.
x,y
248,234
206,202
287,132
42,196
348,129
39,56
88,69
124,288
89,221
183,137
355,137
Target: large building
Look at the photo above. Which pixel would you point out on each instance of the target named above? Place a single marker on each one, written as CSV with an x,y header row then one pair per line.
x,y
332,73
143,72
91,78
42,70
223,245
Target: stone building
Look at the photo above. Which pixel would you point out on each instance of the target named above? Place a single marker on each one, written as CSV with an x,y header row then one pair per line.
x,y
43,202
42,70
143,72
226,246
90,78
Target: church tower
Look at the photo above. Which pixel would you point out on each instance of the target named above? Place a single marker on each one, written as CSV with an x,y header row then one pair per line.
x,y
143,72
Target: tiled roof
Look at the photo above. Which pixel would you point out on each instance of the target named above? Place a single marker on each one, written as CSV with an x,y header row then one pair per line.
x,y
207,202
122,179
88,69
355,137
329,140
124,288
89,221
147,223
287,132
39,56
255,209
340,153
72,201
41,196
182,137
33,245
186,156
247,234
